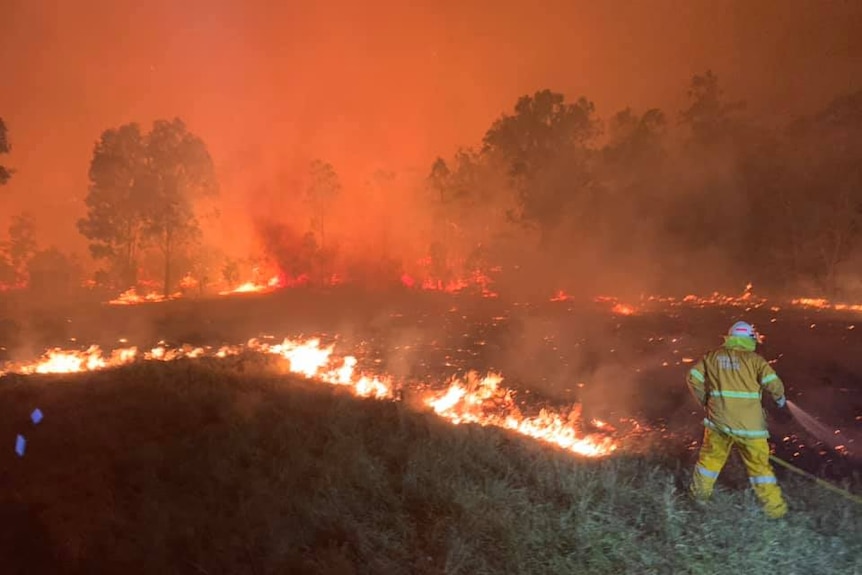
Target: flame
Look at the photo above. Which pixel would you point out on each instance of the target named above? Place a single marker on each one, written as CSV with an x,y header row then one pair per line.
x,y
623,309
247,287
474,400
131,297
274,283
825,304
188,282
306,358
477,280
747,300
561,296
484,402
64,361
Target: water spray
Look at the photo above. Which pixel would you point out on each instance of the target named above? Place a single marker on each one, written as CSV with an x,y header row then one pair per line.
x,y
824,434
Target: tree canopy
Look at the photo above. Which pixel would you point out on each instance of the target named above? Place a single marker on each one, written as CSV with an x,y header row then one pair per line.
x,y
142,194
718,191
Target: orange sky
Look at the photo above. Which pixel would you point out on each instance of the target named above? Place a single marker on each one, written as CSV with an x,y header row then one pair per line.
x,y
382,83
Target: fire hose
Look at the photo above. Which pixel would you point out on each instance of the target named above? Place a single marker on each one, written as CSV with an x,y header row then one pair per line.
x,y
817,480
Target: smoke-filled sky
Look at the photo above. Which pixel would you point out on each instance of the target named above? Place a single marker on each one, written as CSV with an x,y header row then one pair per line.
x,y
377,84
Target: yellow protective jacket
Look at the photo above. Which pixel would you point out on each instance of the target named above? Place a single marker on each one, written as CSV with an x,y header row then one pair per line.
x,y
729,383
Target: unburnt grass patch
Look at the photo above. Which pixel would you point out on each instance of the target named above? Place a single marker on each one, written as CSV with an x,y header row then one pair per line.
x,y
196,468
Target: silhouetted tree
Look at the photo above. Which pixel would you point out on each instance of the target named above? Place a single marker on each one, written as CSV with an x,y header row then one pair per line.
x,y
179,172
118,201
709,116
634,141
438,179
294,253
21,245
707,214
5,148
143,189
630,177
544,146
543,126
322,191
821,203
230,273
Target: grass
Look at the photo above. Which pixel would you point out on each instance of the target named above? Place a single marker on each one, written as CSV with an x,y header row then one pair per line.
x,y
219,468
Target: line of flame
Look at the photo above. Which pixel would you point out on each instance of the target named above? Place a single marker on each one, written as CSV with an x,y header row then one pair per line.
x,y
474,400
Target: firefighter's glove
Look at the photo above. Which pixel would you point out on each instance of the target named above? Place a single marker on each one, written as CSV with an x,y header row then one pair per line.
x,y
782,414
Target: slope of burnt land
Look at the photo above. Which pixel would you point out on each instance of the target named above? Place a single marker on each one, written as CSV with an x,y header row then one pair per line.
x,y
550,352
189,467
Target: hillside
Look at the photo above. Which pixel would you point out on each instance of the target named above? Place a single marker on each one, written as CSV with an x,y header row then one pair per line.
x,y
213,468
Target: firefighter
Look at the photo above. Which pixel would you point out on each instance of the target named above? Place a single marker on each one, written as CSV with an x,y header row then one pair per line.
x,y
729,383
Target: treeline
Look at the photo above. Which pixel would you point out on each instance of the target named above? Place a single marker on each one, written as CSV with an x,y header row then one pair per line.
x,y
707,197
706,193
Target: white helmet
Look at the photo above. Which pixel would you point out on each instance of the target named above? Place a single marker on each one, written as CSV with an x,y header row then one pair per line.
x,y
743,329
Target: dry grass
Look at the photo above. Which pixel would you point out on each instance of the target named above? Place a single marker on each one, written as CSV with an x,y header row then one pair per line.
x,y
181,468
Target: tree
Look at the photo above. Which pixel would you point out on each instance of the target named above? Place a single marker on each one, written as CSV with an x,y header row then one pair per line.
x,y
709,116
118,201
542,127
19,249
439,179
636,140
294,253
633,156
143,189
180,171
22,239
5,148
707,179
324,188
630,177
230,273
544,147
822,199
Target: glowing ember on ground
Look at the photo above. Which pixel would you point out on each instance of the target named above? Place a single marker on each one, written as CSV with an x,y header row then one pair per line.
x,y
561,296
824,304
476,280
131,297
623,309
617,308
475,400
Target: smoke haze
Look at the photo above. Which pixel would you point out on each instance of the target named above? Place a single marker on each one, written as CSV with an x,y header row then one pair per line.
x,y
372,86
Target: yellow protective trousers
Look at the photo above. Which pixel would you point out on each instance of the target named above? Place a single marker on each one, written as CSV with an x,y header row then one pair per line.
x,y
755,455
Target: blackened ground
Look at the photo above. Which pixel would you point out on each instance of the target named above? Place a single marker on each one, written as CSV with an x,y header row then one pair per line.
x,y
551,352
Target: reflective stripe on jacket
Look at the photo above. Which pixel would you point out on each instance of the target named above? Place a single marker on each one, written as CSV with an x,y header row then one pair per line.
x,y
729,383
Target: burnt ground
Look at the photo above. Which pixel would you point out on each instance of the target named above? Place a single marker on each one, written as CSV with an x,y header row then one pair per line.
x,y
550,352
197,466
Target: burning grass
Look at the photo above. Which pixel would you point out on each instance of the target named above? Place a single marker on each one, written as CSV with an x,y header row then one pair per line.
x,y
220,466
479,400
